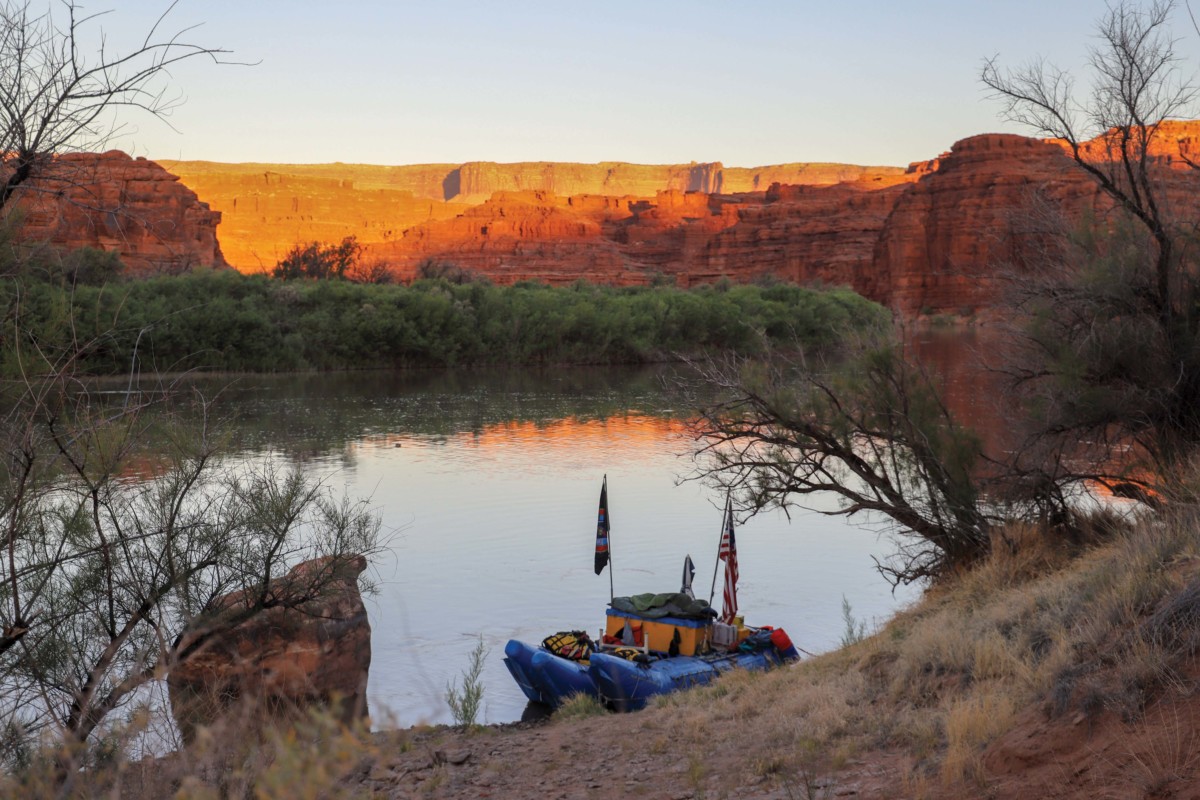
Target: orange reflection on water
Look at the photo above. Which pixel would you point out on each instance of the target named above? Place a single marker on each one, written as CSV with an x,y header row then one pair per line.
x,y
142,467
574,432
633,429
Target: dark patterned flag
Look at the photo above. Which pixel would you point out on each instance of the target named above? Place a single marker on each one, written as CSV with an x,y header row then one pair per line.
x,y
728,554
602,527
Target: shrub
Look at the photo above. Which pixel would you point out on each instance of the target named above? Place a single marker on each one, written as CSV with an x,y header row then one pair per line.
x,y
318,261
229,321
466,702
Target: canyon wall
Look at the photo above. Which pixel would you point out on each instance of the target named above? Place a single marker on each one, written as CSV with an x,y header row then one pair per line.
x,y
796,233
943,235
960,233
265,213
113,202
980,218
949,235
476,181
269,208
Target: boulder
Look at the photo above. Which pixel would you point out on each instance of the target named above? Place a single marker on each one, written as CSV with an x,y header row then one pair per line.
x,y
313,649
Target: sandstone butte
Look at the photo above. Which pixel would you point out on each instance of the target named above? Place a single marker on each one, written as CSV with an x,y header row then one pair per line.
x,y
940,236
111,201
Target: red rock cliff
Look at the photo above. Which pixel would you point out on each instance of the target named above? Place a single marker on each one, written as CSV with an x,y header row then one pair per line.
x,y
952,234
942,236
976,219
796,233
269,208
129,206
264,212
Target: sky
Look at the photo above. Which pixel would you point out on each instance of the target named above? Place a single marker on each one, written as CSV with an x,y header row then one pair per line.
x,y
750,83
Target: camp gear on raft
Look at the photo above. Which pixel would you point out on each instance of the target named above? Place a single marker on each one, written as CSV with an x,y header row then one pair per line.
x,y
572,645
671,604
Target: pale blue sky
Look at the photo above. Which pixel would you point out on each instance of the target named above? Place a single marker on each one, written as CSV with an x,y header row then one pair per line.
x,y
746,83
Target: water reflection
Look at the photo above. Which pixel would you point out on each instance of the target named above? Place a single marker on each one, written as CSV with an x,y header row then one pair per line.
x,y
968,369
315,416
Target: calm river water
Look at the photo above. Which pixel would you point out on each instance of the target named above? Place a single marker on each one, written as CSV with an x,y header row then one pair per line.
x,y
487,484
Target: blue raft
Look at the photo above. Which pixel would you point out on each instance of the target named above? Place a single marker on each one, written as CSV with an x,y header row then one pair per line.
x,y
544,677
627,685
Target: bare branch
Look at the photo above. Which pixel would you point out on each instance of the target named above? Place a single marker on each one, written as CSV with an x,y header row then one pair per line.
x,y
869,429
55,97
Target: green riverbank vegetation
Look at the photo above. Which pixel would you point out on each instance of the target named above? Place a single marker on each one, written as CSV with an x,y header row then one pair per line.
x,y
232,322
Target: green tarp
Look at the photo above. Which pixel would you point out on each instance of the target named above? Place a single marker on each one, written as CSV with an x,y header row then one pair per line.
x,y
673,604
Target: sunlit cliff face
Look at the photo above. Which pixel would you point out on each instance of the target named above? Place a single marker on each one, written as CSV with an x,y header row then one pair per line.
x,y
110,201
908,238
407,214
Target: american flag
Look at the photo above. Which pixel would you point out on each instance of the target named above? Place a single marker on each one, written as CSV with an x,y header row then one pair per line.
x,y
728,554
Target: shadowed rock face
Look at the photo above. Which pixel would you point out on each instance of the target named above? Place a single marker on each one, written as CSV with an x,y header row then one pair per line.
x,y
953,234
317,653
113,202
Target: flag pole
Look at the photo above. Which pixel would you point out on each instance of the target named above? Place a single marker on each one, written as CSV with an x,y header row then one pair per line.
x,y
608,518
712,593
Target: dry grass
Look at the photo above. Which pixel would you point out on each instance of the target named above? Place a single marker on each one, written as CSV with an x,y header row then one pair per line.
x,y
1079,629
1171,752
579,706
316,757
972,722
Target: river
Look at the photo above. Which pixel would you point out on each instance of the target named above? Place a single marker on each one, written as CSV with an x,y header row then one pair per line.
x,y
487,484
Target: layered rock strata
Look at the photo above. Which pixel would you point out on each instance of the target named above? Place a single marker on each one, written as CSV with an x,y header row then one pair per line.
x,y
942,236
113,202
794,233
269,208
982,216
956,236
267,212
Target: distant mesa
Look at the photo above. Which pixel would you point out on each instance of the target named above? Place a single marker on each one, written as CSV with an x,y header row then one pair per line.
x,y
612,221
934,237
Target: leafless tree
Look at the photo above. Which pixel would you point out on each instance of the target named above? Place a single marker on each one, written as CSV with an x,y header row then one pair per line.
x,y
59,92
1112,319
866,426
1136,86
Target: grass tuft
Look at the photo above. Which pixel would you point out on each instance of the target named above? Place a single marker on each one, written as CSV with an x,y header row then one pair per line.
x,y
580,706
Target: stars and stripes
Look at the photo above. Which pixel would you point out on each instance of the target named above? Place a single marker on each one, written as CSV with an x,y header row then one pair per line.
x,y
728,554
